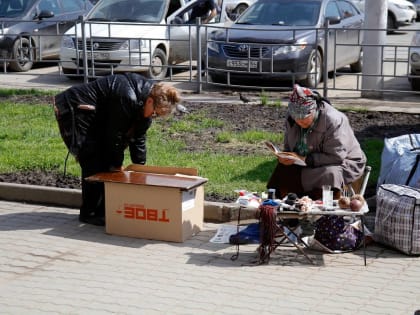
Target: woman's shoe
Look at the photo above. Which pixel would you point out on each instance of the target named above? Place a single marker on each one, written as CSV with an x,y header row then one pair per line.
x,y
98,221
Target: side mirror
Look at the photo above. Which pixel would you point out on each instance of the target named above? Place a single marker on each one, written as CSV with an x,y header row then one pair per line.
x,y
45,14
332,20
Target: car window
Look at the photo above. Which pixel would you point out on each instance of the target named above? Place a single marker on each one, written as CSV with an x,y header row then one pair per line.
x,y
11,8
332,10
49,5
72,5
148,11
299,13
346,9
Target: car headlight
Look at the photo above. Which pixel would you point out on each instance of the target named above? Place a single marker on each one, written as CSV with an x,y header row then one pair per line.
x,y
284,50
415,57
402,7
3,31
67,42
135,44
214,46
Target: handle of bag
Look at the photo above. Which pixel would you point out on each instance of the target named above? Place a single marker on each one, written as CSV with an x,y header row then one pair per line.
x,y
413,170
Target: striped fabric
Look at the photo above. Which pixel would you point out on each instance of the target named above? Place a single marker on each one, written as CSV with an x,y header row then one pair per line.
x,y
397,222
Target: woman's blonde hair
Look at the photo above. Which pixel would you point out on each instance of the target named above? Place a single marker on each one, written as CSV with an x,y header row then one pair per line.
x,y
165,97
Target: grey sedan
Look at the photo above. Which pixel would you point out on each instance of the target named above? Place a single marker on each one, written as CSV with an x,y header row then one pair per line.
x,y
285,39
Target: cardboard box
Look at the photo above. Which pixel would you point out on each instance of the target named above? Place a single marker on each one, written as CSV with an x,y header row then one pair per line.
x,y
151,202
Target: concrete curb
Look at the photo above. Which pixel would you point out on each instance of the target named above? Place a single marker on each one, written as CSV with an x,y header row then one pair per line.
x,y
72,198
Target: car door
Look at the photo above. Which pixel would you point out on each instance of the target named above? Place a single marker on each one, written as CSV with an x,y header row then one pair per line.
x,y
336,51
183,36
50,30
352,23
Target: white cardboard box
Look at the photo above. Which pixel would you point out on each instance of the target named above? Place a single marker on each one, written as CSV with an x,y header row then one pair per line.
x,y
151,202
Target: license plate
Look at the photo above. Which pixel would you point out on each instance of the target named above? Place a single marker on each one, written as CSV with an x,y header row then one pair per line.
x,y
241,63
96,55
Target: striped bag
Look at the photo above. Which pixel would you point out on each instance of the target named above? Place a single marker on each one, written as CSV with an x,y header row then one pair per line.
x,y
397,221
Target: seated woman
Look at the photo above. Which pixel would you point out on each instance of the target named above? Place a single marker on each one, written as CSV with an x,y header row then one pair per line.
x,y
321,136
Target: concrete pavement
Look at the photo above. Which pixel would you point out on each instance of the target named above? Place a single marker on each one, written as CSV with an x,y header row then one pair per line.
x,y
52,264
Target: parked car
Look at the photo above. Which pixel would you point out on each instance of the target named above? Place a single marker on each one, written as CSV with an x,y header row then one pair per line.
x,y
400,12
416,4
414,61
31,30
132,36
235,8
283,39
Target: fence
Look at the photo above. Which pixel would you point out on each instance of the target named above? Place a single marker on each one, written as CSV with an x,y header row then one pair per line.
x,y
179,51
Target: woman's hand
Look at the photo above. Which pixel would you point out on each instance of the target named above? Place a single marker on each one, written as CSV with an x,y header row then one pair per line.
x,y
116,169
289,161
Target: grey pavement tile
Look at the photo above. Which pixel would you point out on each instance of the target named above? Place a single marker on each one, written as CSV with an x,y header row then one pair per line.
x,y
63,267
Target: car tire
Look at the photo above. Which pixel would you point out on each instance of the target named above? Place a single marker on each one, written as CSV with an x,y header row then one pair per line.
x,y
159,66
217,78
22,56
358,65
240,8
71,74
314,70
415,84
391,24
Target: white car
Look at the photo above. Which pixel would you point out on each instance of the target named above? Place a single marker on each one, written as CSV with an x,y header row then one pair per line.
x,y
235,8
400,12
415,62
132,36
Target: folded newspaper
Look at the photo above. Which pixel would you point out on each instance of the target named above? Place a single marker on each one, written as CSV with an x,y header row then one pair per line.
x,y
285,155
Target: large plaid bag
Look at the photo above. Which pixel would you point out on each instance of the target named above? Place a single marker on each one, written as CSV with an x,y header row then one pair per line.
x,y
397,222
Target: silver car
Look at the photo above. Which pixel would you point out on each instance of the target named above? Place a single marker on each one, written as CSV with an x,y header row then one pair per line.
x,y
414,60
285,39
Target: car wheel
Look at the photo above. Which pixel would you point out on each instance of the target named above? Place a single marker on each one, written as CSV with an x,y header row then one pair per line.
x,y
314,70
240,9
22,56
358,65
217,78
71,74
415,84
390,24
159,66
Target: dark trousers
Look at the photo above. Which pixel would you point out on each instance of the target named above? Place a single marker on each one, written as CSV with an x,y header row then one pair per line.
x,y
288,179
93,193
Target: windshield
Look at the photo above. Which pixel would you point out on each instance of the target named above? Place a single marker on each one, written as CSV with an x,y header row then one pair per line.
x,y
13,8
146,11
294,13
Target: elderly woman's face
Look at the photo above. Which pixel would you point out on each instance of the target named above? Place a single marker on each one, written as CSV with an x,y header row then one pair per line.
x,y
307,121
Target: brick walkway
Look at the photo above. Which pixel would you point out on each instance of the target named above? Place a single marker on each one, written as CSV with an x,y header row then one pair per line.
x,y
50,263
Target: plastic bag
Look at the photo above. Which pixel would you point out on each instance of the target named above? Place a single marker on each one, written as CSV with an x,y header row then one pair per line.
x,y
400,161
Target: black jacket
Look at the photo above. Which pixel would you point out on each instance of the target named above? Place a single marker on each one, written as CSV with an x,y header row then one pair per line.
x,y
115,122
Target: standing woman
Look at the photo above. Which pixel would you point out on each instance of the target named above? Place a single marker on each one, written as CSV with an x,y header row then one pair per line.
x,y
100,119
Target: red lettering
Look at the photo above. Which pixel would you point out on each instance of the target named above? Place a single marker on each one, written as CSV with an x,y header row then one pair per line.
x,y
139,212
152,214
163,218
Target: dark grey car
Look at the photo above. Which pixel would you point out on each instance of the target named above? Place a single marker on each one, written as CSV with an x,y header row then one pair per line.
x,y
285,39
30,30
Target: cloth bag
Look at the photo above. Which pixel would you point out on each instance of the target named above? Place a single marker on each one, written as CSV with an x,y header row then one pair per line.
x,y
397,221
400,161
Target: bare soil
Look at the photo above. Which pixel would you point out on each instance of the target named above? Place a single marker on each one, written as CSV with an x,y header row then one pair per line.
x,y
236,117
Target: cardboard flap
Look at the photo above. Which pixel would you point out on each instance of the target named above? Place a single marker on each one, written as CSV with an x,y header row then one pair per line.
x,y
170,170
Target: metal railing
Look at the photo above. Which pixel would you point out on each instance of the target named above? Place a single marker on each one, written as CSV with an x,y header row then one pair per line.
x,y
188,56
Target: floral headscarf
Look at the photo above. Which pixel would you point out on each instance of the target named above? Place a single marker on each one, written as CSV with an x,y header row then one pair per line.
x,y
302,102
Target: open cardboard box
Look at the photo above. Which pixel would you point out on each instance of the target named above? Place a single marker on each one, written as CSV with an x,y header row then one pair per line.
x,y
153,202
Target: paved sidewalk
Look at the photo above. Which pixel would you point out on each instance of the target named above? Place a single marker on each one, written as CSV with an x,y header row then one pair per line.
x,y
50,263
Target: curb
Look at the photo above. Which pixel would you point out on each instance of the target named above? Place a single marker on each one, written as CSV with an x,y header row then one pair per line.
x,y
72,198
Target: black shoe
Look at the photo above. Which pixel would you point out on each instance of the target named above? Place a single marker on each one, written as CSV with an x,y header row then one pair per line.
x,y
98,221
